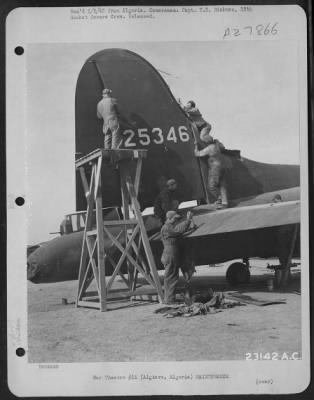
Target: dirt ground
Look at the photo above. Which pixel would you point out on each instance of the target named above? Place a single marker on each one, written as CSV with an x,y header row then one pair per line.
x,y
133,332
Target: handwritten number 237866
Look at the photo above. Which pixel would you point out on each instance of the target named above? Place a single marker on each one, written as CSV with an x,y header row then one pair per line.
x,y
258,30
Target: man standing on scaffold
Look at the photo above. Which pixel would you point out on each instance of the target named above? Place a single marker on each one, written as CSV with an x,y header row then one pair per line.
x,y
107,109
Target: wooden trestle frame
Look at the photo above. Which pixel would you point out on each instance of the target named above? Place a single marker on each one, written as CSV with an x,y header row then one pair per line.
x,y
134,248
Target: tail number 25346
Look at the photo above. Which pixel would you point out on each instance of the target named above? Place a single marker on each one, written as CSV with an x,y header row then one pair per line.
x,y
144,137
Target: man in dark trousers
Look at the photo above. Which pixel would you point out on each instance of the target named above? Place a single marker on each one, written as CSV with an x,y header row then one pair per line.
x,y
107,109
170,234
166,201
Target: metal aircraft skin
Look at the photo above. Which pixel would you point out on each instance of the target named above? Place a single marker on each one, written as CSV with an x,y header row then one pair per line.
x,y
152,119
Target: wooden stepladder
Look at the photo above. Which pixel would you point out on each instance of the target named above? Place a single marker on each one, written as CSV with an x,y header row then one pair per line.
x,y
128,237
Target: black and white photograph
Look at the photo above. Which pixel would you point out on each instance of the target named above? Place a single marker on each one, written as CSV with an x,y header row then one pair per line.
x,y
162,154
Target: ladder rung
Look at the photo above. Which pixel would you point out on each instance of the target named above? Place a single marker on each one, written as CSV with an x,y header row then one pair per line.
x,y
121,222
115,155
92,304
91,233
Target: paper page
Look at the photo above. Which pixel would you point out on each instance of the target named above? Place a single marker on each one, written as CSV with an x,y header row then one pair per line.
x,y
245,67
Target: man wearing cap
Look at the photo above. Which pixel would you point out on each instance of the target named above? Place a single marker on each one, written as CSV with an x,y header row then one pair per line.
x,y
194,113
166,200
216,183
170,233
66,226
277,198
107,109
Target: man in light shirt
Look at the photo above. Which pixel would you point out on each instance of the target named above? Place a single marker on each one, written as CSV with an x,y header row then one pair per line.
x,y
216,183
107,109
170,234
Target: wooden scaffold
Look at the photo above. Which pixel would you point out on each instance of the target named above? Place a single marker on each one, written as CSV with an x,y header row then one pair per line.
x,y
131,242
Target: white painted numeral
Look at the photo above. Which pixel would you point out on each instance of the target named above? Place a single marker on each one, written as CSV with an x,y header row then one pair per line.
x,y
144,137
171,137
128,142
160,138
183,134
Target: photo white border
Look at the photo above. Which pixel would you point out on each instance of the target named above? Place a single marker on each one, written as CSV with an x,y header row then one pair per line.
x,y
26,26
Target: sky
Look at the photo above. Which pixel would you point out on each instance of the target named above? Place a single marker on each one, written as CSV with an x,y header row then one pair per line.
x,y
247,90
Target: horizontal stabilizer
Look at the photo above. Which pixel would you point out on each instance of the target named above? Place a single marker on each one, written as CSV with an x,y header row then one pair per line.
x,y
246,218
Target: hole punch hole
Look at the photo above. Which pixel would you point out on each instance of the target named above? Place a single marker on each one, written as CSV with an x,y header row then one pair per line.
x,y
19,50
20,352
19,201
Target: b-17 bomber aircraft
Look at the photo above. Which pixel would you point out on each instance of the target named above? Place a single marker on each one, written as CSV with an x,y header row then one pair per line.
x,y
151,119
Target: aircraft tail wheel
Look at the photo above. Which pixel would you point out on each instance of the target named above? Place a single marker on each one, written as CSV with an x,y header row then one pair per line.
x,y
238,273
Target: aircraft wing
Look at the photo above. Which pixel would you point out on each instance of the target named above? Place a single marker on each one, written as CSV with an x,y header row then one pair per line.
x,y
250,231
245,218
241,232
